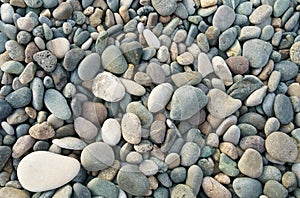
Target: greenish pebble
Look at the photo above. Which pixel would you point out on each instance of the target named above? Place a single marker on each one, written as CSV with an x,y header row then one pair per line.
x,y
12,67
270,173
141,111
228,166
101,42
101,187
23,37
207,151
34,3
247,129
178,175
161,192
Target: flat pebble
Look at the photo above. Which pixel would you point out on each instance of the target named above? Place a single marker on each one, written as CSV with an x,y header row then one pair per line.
x,y
247,187
57,104
164,7
72,58
186,101
185,59
131,128
132,87
85,129
71,143
216,101
251,163
38,163
111,131
92,160
42,131
159,97
223,12
213,188
101,187
133,181
151,39
89,67
113,60
132,51
281,147
283,109
274,189
260,14
5,109
108,87
19,98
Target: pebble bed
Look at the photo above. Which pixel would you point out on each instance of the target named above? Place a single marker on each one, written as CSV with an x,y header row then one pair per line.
x,y
149,98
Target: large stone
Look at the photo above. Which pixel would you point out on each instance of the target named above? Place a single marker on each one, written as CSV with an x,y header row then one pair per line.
x,y
186,102
247,187
164,7
159,97
42,170
251,163
212,188
89,67
113,60
19,98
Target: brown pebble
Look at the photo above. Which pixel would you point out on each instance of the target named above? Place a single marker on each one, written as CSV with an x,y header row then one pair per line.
x,y
124,14
267,70
42,131
95,18
164,19
238,64
229,149
31,112
17,117
94,112
23,144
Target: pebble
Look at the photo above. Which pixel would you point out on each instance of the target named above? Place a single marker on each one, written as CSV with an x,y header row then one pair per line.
x,y
132,51
5,153
159,97
63,11
270,173
216,107
6,13
72,58
15,50
213,188
227,38
280,6
131,128
85,129
89,67
137,108
232,134
13,192
181,108
256,98
247,187
283,109
133,181
81,191
108,87
223,17
251,163
42,131
228,166
261,14
273,188
182,190
281,147
94,112
189,154
287,69
185,59
59,47
132,87
111,132
151,39
113,60
156,73
46,60
164,7
92,160
101,187
148,167
71,143
221,70
57,104
204,65
19,98
253,47
29,175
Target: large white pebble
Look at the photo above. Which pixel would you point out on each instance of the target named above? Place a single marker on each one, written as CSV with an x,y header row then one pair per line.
x,y
42,170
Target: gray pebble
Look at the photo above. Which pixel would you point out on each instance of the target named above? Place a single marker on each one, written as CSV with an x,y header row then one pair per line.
x,y
223,18
19,98
247,187
274,189
283,109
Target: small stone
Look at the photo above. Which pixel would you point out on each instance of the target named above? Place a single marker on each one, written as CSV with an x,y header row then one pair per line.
x,y
251,163
247,187
204,65
57,104
159,97
72,58
148,167
25,23
133,181
71,143
63,11
182,190
93,160
283,109
13,192
187,101
156,73
221,70
108,87
232,134
46,60
37,164
101,187
228,166
280,6
213,188
113,60
85,129
5,153
131,128
164,7
142,112
275,189
256,97
15,50
227,38
59,47
172,160
111,132
189,153
19,98
216,101
12,67
270,173
253,47
287,69
22,145
134,158
132,51
151,39
81,191
185,59
42,131
95,112
281,147
223,18
260,14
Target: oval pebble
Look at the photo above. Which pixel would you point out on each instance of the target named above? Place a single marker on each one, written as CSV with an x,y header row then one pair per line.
x,y
89,67
111,132
71,143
